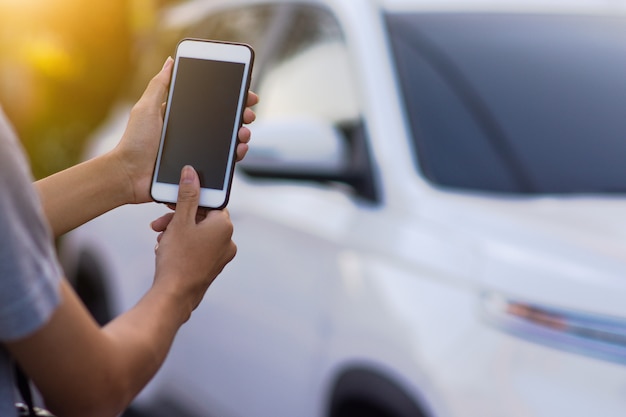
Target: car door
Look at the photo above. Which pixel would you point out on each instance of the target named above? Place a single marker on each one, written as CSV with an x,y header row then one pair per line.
x,y
256,349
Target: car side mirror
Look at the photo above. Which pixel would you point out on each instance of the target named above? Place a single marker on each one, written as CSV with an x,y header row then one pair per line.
x,y
307,149
295,148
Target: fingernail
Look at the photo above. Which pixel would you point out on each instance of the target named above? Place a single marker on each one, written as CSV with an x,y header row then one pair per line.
x,y
188,174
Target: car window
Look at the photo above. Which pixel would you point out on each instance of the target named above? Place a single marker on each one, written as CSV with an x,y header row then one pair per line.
x,y
301,65
515,103
453,146
309,73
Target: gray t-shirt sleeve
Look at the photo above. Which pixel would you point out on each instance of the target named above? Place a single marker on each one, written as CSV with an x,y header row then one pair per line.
x,y
29,269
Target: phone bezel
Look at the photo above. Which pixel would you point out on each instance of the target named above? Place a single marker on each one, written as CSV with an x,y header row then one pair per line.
x,y
218,51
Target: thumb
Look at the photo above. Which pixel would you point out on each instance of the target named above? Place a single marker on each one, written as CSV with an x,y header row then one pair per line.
x,y
188,195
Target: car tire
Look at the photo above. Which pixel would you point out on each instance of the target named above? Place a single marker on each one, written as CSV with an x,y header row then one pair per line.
x,y
89,284
367,393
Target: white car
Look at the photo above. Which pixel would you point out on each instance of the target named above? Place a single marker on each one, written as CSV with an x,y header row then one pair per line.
x,y
431,220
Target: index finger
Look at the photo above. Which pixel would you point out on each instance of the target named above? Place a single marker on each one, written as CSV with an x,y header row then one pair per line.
x,y
188,196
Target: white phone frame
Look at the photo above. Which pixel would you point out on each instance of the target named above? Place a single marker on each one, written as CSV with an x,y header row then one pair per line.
x,y
217,51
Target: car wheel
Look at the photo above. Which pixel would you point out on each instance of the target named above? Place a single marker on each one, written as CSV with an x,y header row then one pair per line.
x,y
361,409
89,283
367,393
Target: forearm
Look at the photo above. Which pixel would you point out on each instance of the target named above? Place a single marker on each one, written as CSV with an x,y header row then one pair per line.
x,y
83,192
143,336
85,370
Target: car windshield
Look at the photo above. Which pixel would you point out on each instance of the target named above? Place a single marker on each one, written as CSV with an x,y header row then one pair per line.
x,y
517,103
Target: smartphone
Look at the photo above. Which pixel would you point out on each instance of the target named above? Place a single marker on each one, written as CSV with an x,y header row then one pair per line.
x,y
203,114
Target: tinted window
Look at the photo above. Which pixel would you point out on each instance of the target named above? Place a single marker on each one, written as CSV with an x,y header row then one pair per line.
x,y
516,103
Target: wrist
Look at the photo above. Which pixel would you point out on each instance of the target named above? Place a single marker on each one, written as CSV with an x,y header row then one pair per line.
x,y
121,177
179,303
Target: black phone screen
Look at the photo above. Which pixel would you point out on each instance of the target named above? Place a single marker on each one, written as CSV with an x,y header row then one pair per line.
x,y
201,120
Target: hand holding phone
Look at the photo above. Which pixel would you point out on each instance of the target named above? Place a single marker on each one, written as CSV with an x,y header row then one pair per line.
x,y
204,112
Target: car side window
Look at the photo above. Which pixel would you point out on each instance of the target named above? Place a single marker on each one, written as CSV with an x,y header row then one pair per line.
x,y
302,67
309,73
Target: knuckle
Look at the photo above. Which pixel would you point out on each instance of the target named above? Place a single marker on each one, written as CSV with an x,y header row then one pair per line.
x,y
154,83
137,108
229,225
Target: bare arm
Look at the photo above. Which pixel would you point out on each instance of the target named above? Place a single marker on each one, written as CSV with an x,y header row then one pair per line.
x,y
82,369
83,192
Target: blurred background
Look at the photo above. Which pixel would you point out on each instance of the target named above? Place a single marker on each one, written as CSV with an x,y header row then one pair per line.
x,y
62,64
